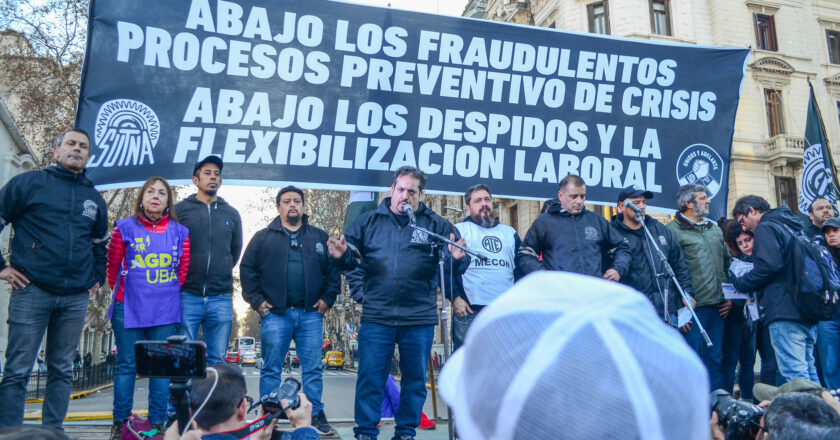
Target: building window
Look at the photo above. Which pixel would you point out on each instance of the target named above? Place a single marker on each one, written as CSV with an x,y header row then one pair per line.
x,y
833,42
765,32
599,18
786,193
660,17
773,102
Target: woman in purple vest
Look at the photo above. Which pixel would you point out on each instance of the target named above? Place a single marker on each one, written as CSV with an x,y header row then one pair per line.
x,y
148,258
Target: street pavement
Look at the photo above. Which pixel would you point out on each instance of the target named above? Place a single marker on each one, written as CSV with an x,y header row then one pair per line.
x,y
338,396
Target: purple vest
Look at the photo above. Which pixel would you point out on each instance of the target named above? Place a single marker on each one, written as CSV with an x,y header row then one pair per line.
x,y
152,294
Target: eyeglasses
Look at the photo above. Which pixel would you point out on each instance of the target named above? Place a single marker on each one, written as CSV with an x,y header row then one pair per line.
x,y
248,399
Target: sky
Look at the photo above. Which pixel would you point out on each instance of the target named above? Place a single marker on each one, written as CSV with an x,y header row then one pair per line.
x,y
255,204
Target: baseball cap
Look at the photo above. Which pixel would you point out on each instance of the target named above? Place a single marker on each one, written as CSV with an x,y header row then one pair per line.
x,y
762,391
833,222
545,361
209,159
634,191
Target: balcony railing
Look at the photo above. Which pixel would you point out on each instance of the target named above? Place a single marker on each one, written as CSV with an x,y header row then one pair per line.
x,y
783,145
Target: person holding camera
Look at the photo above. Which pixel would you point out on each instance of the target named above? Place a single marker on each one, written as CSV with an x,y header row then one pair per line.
x,y
148,259
220,409
789,416
289,279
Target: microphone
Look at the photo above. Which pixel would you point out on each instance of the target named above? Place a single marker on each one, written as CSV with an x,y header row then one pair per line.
x,y
410,213
635,208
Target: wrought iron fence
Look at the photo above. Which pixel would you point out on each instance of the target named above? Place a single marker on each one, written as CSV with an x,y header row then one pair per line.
x,y
84,378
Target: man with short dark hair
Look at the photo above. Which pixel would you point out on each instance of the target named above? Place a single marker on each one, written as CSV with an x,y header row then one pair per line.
x,y
400,282
819,211
484,280
289,279
573,239
707,259
793,337
227,405
646,267
215,244
57,261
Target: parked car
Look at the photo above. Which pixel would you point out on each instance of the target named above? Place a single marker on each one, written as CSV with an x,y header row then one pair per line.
x,y
232,357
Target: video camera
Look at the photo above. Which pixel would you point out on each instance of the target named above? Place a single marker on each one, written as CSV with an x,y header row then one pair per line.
x,y
178,360
742,420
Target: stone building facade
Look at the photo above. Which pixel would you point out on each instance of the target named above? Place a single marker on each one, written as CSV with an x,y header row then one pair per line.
x,y
793,41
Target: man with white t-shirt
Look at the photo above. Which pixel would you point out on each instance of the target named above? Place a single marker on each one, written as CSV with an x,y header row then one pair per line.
x,y
484,280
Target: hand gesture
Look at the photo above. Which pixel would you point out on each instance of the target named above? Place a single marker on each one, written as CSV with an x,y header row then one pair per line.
x,y
12,276
337,248
457,253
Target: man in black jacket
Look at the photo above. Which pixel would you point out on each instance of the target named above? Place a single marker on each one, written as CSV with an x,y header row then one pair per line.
x,y
400,272
289,279
792,336
645,264
215,245
572,239
58,260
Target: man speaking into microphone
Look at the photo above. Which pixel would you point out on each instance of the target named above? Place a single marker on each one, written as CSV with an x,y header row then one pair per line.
x,y
400,284
645,263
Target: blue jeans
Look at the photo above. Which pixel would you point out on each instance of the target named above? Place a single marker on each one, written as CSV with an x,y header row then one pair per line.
x,y
376,349
215,313
276,333
126,368
794,346
460,325
828,344
31,312
738,347
712,357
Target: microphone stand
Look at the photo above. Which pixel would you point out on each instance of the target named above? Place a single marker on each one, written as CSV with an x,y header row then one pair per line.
x,y
444,313
668,273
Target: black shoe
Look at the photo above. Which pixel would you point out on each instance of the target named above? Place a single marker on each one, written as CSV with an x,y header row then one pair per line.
x,y
116,430
365,437
320,424
403,437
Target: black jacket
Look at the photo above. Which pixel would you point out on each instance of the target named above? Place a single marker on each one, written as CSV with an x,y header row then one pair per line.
x,y
572,243
641,276
61,229
400,271
264,264
215,245
772,275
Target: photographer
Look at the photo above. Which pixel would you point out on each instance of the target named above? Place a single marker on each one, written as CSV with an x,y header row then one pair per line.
x,y
223,415
792,416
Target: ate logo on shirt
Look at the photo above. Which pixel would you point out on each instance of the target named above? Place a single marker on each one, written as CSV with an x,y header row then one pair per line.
x,y
492,244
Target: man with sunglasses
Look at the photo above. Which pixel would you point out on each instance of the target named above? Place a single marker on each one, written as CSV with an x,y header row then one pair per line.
x,y
289,278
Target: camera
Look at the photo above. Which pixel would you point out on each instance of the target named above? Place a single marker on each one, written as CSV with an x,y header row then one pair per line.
x,y
740,419
287,391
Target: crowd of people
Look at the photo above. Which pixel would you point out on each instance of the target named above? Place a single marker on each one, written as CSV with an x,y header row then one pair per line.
x,y
618,311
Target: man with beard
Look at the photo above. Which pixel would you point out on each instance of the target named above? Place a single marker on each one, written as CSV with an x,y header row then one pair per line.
x,y
573,239
484,280
819,211
400,279
645,264
708,261
215,244
289,279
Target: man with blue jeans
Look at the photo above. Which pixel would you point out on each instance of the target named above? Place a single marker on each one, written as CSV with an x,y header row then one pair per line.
x,y
57,261
291,281
791,335
707,259
215,244
400,270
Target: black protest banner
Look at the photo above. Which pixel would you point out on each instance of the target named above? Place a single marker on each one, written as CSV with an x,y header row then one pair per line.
x,y
334,95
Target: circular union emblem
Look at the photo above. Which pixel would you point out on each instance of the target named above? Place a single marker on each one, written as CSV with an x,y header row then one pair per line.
x,y
815,179
701,164
492,244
